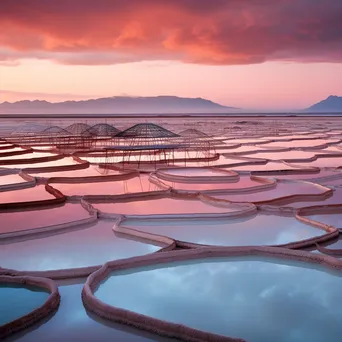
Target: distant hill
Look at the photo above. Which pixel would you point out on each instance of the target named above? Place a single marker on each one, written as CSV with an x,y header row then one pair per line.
x,y
330,104
117,105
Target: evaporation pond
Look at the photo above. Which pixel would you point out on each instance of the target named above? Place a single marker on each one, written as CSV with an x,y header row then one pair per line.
x,y
262,229
283,189
269,166
28,156
132,185
73,323
86,246
197,172
88,172
30,219
60,162
37,193
243,183
17,301
332,219
11,179
161,206
256,300
324,162
302,143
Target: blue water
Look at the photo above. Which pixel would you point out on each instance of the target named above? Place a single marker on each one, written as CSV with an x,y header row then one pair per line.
x,y
17,301
90,246
255,300
72,323
262,229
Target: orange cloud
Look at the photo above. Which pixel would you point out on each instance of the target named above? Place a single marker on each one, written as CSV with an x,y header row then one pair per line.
x,y
196,31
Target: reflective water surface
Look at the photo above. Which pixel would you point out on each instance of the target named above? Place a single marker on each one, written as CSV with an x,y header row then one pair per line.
x,y
30,219
37,193
161,206
18,300
136,184
86,246
281,190
261,229
255,300
72,323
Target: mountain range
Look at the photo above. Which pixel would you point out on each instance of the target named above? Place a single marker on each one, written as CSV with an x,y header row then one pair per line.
x,y
117,105
146,105
332,104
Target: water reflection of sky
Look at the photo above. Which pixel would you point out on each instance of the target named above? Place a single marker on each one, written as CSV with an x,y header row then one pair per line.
x,y
330,219
162,206
72,323
198,172
17,301
90,171
25,195
60,162
30,219
282,190
11,179
80,248
243,182
254,300
323,162
29,156
336,198
259,230
136,184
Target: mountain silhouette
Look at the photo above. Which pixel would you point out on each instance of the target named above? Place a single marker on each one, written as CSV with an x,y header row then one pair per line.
x,y
117,105
330,104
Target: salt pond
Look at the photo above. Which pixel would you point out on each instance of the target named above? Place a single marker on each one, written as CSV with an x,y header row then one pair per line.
x,y
162,206
287,302
19,300
85,246
31,219
262,229
73,323
132,185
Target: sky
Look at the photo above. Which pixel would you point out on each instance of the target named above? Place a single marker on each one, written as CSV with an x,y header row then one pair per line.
x,y
253,54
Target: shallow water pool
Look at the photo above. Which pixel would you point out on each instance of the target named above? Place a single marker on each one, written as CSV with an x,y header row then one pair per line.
x,y
255,300
89,246
17,301
262,229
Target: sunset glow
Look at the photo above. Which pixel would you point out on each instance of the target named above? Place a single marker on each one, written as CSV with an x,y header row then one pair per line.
x,y
249,54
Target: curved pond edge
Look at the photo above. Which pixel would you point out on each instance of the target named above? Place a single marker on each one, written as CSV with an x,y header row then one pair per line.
x,y
168,329
43,311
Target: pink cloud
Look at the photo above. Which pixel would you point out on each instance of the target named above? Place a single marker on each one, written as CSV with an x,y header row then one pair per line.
x,y
219,32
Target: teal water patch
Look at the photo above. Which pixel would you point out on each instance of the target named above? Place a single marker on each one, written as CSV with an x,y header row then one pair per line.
x,y
17,301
